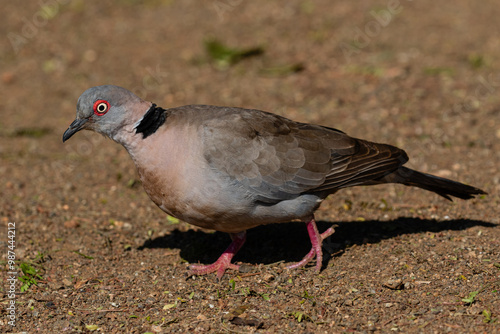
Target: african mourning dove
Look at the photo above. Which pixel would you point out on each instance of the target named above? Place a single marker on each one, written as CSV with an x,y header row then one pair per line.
x,y
231,169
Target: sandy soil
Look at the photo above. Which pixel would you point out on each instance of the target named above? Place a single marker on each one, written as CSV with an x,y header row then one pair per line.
x,y
416,74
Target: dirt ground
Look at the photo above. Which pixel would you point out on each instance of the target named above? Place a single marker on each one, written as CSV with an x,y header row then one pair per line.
x,y
421,75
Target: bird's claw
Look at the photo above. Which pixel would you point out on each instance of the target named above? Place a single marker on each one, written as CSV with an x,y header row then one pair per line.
x,y
219,266
316,241
224,261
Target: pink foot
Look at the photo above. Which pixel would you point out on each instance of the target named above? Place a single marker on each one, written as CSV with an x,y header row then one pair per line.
x,y
224,261
316,241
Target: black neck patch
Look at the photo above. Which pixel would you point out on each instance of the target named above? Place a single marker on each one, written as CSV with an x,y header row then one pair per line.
x,y
151,121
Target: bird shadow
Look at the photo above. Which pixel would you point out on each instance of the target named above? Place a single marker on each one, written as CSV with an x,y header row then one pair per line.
x,y
290,242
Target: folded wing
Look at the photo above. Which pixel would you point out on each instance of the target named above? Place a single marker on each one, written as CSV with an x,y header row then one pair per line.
x,y
278,159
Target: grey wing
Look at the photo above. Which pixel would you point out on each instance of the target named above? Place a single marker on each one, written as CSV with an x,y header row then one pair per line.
x,y
277,159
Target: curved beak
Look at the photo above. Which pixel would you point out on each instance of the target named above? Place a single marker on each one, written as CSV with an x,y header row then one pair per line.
x,y
74,127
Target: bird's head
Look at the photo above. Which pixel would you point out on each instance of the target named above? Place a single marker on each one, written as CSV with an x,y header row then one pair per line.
x,y
105,109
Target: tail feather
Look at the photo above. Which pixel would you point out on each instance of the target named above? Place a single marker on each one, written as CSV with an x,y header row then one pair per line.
x,y
439,185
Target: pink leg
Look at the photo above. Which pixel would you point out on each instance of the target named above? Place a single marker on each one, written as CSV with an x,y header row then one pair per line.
x,y
316,241
224,261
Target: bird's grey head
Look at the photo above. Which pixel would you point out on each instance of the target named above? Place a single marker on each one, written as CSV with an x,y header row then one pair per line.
x,y
103,109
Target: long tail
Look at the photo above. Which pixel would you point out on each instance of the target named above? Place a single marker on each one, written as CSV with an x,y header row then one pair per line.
x,y
439,185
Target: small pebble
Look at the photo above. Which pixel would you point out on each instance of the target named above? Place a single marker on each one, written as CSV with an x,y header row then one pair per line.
x,y
8,77
71,223
245,269
268,277
394,284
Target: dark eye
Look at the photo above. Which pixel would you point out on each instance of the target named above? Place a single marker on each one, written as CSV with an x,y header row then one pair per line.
x,y
101,107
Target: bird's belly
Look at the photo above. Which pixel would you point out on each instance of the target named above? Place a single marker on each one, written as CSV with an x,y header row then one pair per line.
x,y
203,203
213,204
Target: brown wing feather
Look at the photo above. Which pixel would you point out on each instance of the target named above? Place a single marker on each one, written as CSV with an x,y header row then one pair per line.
x,y
369,163
278,159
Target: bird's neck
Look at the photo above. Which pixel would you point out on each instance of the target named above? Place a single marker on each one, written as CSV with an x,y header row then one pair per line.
x,y
151,121
141,123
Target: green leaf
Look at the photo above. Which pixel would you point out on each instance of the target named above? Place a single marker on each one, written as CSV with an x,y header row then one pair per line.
x,y
299,315
232,283
172,220
29,277
305,294
85,256
132,183
225,56
169,306
476,61
471,298
27,268
487,316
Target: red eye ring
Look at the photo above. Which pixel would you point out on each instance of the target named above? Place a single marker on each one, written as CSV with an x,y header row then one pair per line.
x,y
101,107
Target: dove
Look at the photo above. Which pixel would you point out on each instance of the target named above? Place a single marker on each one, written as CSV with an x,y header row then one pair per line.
x,y
231,169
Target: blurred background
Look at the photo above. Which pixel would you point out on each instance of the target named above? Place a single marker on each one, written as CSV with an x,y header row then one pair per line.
x,y
410,73
420,75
